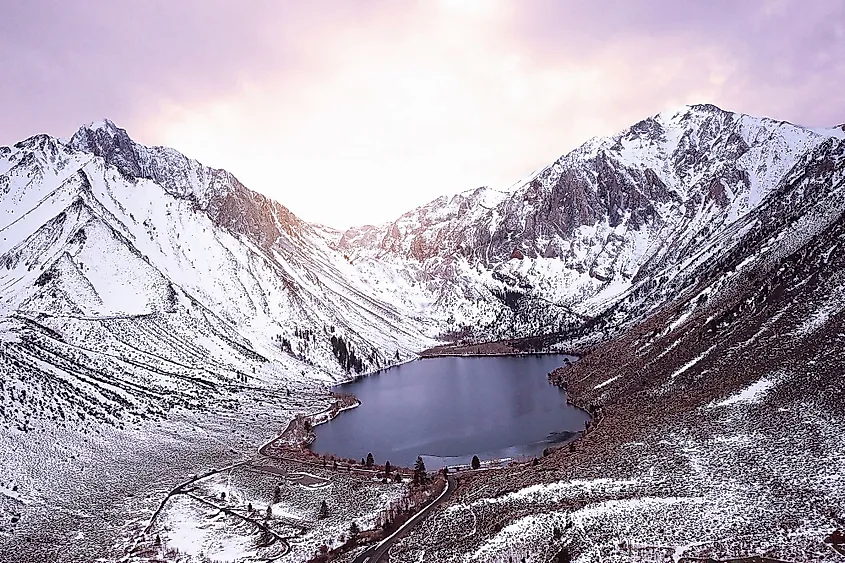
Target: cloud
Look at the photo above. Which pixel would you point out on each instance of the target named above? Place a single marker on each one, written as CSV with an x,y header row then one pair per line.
x,y
354,112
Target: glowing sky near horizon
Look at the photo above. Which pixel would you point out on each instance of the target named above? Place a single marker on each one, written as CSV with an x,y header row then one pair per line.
x,y
354,112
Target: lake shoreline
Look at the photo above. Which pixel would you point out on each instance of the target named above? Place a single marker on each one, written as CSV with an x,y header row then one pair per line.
x,y
445,354
509,347
300,436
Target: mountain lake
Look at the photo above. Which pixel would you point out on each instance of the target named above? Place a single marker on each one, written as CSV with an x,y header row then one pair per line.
x,y
448,409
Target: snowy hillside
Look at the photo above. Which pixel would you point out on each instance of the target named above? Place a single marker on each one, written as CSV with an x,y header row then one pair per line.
x,y
168,275
565,244
109,246
718,428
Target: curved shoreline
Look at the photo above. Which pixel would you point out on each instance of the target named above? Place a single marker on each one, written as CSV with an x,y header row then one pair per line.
x,y
298,436
299,432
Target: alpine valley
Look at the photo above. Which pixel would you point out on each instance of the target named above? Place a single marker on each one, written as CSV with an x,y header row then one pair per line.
x,y
160,321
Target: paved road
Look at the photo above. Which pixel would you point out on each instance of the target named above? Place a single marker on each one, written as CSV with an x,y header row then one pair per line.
x,y
375,553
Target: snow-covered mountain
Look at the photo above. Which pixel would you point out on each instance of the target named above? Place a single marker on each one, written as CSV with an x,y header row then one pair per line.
x,y
718,430
142,277
565,244
151,266
142,290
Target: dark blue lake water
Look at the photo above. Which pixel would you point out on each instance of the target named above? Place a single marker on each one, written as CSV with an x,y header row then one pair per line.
x,y
449,409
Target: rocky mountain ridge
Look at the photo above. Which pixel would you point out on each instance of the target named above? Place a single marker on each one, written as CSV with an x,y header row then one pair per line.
x,y
563,247
583,230
718,422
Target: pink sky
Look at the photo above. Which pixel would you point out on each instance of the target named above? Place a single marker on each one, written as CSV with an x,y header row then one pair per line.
x,y
354,112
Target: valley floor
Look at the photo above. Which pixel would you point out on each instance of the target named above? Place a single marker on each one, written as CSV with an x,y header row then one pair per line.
x,y
700,446
659,476
190,487
88,493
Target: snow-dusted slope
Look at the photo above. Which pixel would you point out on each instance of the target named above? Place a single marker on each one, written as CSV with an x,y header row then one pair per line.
x,y
570,240
718,430
105,242
108,246
142,289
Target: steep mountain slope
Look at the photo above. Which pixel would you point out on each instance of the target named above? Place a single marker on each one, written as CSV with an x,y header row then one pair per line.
x,y
719,426
101,227
108,246
156,319
565,244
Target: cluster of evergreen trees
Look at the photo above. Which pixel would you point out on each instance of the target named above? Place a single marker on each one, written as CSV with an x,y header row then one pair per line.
x,y
343,352
346,355
509,297
284,344
305,335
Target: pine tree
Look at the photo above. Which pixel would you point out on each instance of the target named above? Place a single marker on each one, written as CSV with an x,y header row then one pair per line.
x,y
563,556
277,495
420,476
476,463
324,510
354,530
370,459
269,513
387,467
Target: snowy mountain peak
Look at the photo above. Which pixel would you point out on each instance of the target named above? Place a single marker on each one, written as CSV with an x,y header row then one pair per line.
x,y
179,175
579,232
106,140
97,134
104,124
561,245
142,289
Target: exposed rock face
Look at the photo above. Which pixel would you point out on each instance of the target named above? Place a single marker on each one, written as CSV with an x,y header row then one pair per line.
x,y
720,407
601,216
228,202
565,245
100,227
